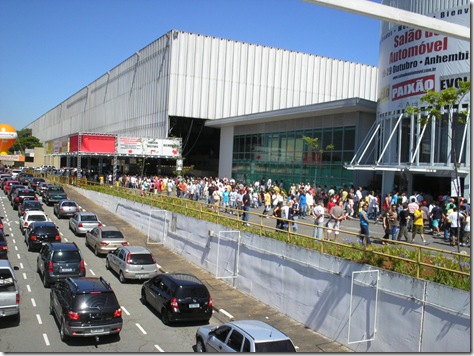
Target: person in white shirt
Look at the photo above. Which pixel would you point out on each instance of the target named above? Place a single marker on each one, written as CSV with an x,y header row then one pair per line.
x,y
318,215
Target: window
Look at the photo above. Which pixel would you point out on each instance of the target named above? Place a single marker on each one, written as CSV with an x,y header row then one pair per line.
x,y
235,340
221,332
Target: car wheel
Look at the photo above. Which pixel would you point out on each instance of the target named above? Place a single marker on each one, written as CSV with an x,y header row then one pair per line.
x,y
200,345
96,250
143,298
122,277
165,317
107,266
62,331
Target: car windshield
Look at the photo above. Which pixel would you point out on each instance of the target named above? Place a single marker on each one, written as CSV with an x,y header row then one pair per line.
x,y
46,230
112,235
141,259
275,346
89,218
56,189
6,280
37,218
192,291
69,203
97,300
66,256
32,204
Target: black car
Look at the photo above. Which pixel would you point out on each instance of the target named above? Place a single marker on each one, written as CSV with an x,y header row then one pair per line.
x,y
85,307
35,182
40,232
3,246
178,297
59,260
21,194
29,205
12,190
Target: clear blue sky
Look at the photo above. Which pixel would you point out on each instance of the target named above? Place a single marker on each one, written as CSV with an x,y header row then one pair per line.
x,y
50,49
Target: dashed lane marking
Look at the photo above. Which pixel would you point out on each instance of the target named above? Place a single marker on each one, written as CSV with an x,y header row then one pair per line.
x,y
159,348
46,340
125,310
38,317
141,329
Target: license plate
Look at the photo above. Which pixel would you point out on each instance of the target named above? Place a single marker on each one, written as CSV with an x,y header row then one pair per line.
x,y
141,275
96,331
193,305
66,270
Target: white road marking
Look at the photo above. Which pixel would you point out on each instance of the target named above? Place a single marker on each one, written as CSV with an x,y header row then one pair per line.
x,y
39,319
16,248
125,310
91,271
28,288
230,316
159,348
141,329
33,302
18,255
21,265
46,340
14,240
24,276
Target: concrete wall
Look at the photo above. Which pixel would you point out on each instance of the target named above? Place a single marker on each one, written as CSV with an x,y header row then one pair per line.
x,y
359,306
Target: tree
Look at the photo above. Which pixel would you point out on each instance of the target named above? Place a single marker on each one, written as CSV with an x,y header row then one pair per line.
x,y
440,107
25,140
313,144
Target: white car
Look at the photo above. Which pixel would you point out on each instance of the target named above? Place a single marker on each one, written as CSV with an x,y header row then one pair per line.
x,y
31,216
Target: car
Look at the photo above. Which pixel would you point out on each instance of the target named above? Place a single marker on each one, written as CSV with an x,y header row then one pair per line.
x,y
21,194
132,262
243,336
103,239
15,172
178,297
1,223
9,291
8,183
12,190
3,246
29,205
33,184
65,208
85,307
83,221
24,178
40,232
42,187
59,260
30,217
53,194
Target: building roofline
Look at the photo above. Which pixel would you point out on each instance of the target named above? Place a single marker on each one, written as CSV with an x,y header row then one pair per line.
x,y
327,108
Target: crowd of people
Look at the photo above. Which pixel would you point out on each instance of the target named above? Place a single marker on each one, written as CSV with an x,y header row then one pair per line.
x,y
402,216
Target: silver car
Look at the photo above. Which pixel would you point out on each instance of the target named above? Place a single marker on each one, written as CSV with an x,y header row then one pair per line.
x,y
103,239
83,221
132,262
243,336
65,208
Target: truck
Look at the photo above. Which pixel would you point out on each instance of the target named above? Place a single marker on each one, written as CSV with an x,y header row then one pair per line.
x,y
9,291
54,194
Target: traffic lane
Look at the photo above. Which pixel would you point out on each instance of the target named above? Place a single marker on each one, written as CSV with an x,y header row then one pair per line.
x,y
142,329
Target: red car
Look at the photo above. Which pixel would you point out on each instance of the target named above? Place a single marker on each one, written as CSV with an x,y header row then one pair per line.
x,y
7,184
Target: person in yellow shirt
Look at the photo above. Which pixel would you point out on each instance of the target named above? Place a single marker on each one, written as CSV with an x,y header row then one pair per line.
x,y
418,216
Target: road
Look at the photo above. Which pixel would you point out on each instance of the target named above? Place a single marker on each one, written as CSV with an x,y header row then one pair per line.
x,y
37,331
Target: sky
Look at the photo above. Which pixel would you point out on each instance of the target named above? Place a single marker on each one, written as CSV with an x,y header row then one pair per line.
x,y
51,49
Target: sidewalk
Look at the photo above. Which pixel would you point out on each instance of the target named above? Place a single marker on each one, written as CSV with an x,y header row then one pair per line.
x,y
229,303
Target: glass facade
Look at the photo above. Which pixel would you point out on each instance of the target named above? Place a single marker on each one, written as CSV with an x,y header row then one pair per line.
x,y
286,156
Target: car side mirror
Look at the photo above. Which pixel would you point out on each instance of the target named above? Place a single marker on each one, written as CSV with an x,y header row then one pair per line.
x,y
16,268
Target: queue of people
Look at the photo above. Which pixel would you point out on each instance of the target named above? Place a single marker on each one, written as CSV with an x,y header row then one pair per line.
x,y
402,216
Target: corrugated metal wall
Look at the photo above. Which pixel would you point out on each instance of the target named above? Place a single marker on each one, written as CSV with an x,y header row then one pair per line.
x,y
130,99
190,75
215,78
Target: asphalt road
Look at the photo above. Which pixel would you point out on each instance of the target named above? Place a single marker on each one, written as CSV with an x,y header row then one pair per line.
x,y
143,330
